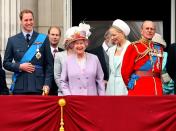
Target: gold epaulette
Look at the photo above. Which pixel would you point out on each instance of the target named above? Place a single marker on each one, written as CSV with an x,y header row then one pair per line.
x,y
135,42
140,54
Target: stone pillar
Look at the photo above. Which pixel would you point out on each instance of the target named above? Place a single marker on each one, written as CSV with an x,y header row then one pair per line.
x,y
9,26
67,12
54,13
9,19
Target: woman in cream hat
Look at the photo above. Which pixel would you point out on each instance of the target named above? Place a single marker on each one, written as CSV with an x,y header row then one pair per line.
x,y
81,73
119,32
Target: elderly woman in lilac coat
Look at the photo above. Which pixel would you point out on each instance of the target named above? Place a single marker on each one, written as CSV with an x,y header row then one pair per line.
x,y
82,73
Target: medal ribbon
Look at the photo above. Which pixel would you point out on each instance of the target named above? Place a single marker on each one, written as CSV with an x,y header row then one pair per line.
x,y
32,50
30,53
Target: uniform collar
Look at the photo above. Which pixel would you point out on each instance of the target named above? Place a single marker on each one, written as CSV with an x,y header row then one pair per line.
x,y
144,40
25,33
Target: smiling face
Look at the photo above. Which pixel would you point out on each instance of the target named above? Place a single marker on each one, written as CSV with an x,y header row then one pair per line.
x,y
80,46
27,22
117,36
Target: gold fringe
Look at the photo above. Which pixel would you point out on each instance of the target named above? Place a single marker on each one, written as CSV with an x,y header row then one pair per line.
x,y
145,52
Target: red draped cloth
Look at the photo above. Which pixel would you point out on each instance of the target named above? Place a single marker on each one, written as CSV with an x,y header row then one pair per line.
x,y
88,113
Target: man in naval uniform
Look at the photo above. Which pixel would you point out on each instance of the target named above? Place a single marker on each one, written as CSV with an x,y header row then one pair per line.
x,y
28,55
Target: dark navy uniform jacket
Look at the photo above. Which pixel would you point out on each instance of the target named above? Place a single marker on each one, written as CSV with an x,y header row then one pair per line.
x,y
29,82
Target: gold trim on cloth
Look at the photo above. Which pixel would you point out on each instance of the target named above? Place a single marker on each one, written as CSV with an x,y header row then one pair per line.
x,y
62,103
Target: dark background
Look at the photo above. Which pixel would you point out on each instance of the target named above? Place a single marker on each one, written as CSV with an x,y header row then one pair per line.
x,y
135,10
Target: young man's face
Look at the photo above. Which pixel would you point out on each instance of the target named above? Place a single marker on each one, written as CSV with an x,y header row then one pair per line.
x,y
27,22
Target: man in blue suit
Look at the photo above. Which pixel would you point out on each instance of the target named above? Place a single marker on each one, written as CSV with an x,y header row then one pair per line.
x,y
28,55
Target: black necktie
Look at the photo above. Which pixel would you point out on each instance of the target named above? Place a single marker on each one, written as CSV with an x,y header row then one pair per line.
x,y
27,38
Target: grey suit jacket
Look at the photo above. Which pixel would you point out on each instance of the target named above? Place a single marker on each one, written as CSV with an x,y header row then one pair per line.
x,y
28,82
59,60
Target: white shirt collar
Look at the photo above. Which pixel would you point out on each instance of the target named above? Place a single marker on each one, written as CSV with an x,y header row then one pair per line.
x,y
25,33
105,47
52,49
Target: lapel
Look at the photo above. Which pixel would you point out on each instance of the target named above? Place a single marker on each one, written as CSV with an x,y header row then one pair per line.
x,y
87,62
102,53
102,57
22,40
122,54
60,49
112,53
34,36
76,65
73,62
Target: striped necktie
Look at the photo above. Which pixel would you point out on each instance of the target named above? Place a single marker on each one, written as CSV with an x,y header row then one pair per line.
x,y
54,52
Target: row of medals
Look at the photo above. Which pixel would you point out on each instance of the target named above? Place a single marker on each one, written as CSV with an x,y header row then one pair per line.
x,y
158,54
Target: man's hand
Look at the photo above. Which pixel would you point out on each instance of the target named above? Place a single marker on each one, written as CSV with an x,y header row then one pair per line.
x,y
27,67
45,90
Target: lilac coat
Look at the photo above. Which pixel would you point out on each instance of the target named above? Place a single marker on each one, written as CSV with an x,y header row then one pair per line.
x,y
73,82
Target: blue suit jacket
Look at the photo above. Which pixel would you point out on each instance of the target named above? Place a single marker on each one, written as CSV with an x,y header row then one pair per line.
x,y
28,82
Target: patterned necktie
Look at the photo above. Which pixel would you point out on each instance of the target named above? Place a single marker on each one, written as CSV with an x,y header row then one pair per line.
x,y
27,38
54,52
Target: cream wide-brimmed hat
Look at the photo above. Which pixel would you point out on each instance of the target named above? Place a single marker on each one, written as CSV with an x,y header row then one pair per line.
x,y
81,32
120,24
159,39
